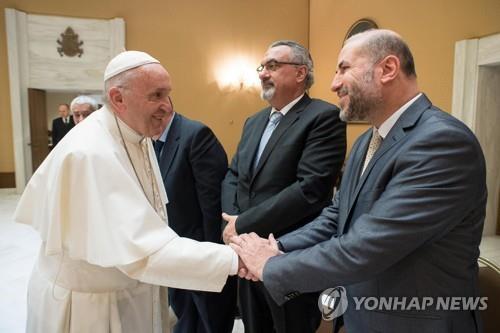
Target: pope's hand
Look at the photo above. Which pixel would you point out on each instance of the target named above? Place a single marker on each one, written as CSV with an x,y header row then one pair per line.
x,y
243,271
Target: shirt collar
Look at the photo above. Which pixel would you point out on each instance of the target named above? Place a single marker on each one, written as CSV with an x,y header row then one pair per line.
x,y
163,136
284,110
128,133
389,123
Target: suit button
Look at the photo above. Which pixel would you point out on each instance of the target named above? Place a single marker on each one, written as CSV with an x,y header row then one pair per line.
x,y
252,195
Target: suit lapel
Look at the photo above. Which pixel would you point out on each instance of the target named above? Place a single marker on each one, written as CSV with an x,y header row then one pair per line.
x,y
171,145
284,124
407,121
351,174
357,166
254,140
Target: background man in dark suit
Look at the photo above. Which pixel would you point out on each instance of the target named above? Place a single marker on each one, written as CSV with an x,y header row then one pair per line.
x,y
62,124
282,176
408,219
193,164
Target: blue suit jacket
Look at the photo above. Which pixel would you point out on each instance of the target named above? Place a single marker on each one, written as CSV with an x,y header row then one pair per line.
x,y
193,164
409,226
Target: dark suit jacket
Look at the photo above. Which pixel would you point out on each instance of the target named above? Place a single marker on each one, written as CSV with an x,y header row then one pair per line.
x,y
296,172
410,226
193,164
59,129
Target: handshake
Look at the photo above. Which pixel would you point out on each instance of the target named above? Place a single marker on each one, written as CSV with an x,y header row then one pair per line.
x,y
253,251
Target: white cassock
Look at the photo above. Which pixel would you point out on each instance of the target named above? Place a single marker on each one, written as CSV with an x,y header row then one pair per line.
x,y
106,244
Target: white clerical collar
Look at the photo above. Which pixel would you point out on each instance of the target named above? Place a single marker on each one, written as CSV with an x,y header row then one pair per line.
x,y
284,110
387,125
129,134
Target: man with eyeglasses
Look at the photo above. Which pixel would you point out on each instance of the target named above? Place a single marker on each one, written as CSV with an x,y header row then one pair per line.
x,y
82,106
193,164
282,175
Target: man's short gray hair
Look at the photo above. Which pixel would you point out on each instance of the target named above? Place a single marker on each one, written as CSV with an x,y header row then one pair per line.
x,y
83,99
300,55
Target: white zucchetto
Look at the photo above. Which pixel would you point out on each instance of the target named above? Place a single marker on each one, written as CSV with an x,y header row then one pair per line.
x,y
127,60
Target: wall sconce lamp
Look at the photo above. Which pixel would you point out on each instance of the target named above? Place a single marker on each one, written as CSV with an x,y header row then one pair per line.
x,y
237,73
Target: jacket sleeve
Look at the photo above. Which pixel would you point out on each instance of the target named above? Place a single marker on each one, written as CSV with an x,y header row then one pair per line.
x,y
54,133
230,185
209,165
185,263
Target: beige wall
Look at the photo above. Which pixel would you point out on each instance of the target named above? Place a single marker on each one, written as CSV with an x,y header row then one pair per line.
x,y
431,28
188,37
6,149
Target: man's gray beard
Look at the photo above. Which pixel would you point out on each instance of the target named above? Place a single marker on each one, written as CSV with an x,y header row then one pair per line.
x,y
344,116
358,114
361,101
267,93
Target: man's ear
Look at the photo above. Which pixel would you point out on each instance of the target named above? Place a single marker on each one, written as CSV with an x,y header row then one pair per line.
x,y
390,66
115,98
301,73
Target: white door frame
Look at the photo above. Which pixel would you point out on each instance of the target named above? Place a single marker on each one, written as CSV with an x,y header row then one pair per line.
x,y
470,55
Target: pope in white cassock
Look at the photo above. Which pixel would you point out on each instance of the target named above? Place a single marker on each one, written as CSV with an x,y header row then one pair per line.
x,y
98,203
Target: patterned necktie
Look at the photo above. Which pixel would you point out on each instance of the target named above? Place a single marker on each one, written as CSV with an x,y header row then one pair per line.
x,y
158,145
375,142
274,120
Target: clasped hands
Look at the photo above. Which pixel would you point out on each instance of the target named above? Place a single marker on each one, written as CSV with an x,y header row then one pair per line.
x,y
253,251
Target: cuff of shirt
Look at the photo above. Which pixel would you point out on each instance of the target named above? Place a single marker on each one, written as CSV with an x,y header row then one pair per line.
x,y
234,263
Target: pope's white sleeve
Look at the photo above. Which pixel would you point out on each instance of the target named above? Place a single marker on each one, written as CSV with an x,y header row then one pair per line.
x,y
187,264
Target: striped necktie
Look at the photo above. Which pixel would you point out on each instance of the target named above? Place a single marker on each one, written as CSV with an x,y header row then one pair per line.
x,y
274,121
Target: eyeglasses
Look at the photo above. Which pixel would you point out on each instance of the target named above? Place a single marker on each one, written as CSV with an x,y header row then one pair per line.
x,y
83,114
274,65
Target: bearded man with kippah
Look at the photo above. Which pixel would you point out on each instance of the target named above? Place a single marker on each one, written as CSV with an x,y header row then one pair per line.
x,y
98,203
